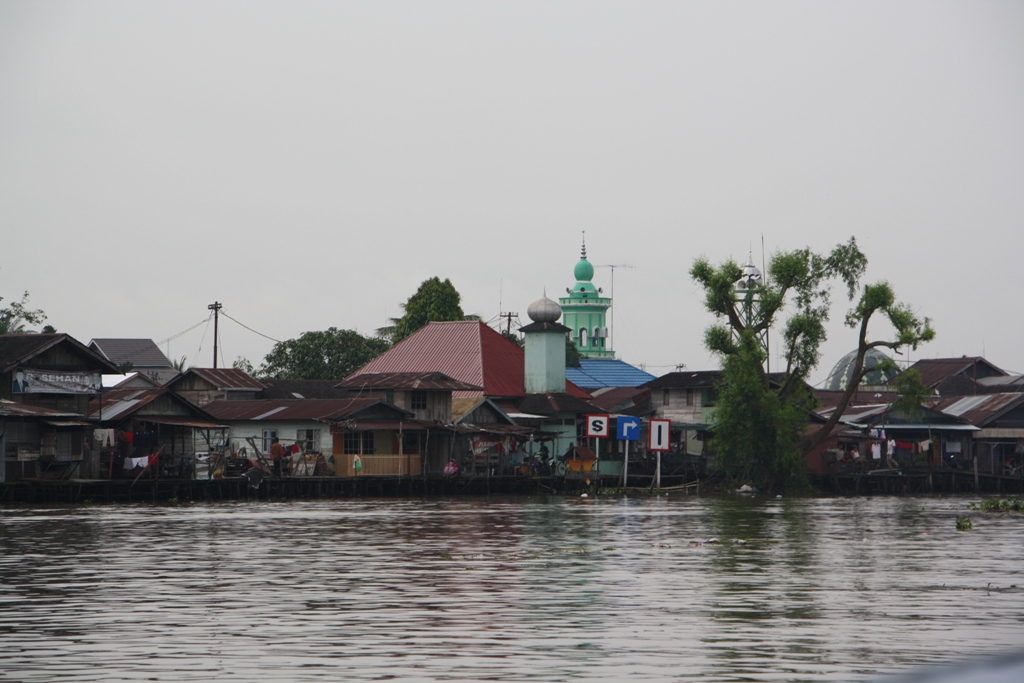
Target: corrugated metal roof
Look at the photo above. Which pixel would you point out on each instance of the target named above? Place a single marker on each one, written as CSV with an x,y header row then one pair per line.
x,y
550,404
292,409
980,410
142,353
936,370
301,388
622,398
595,373
115,403
14,409
686,378
427,381
468,351
228,379
19,349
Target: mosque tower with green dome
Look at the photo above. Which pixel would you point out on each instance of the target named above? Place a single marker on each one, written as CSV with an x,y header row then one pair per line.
x,y
584,312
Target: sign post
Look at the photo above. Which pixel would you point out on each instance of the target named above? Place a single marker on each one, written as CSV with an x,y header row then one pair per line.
x,y
659,437
597,428
627,429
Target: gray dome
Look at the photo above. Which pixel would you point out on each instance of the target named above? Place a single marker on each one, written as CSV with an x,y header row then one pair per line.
x,y
544,310
839,378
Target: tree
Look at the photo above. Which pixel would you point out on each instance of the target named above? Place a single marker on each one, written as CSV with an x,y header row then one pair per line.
x,y
433,301
800,280
759,435
572,354
243,364
17,315
330,354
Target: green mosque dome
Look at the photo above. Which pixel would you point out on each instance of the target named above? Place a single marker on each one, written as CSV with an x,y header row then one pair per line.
x,y
584,270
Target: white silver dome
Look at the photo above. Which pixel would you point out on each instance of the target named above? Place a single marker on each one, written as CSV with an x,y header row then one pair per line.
x,y
544,310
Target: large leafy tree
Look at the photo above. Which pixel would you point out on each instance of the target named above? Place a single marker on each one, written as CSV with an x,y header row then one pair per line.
x,y
329,354
17,315
435,300
799,283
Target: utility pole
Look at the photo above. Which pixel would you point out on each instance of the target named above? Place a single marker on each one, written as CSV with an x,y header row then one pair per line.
x,y
508,327
215,307
611,321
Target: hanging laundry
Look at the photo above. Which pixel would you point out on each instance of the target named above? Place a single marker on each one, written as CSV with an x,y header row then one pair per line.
x,y
295,448
925,445
876,451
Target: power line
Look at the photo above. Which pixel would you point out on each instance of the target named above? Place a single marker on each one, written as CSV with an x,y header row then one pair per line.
x,y
195,359
278,341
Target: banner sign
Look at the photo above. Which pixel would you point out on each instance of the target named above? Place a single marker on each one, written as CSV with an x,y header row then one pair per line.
x,y
28,381
501,444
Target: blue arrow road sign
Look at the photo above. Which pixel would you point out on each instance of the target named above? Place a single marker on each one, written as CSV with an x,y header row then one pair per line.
x,y
628,428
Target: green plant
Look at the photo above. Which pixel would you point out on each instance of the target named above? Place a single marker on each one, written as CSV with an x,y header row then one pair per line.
x,y
963,524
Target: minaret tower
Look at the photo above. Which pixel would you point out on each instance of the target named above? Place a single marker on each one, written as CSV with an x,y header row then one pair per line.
x,y
584,311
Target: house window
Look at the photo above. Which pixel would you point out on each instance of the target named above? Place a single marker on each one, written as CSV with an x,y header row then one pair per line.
x,y
308,440
389,396
583,336
268,438
355,443
689,397
418,400
665,395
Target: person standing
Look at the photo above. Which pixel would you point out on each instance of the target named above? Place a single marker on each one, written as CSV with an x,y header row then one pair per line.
x,y
277,455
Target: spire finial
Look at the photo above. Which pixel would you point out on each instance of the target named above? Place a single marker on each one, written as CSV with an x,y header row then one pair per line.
x,y
583,250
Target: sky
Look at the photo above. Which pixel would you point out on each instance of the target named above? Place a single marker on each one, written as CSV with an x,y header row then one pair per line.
x,y
308,164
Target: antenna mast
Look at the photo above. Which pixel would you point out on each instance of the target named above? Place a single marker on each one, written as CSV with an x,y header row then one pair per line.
x,y
611,317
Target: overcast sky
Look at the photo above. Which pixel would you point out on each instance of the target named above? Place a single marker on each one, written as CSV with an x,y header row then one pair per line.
x,y
308,164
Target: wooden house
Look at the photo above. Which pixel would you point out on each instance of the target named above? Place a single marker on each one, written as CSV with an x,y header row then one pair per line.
x,y
426,396
200,386
139,422
46,383
386,440
998,445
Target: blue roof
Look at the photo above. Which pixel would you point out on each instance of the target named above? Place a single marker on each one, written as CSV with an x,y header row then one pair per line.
x,y
595,373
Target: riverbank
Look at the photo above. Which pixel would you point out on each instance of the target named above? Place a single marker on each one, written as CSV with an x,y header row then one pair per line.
x,y
47,491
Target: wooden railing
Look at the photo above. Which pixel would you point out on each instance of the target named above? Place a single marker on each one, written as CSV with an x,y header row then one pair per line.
x,y
379,464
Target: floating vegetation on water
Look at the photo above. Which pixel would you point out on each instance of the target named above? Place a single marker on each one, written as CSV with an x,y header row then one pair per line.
x,y
996,505
963,524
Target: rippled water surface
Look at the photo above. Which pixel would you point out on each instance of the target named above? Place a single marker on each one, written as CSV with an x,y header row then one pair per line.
x,y
506,589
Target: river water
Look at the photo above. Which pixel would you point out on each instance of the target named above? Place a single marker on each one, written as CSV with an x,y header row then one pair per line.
x,y
545,589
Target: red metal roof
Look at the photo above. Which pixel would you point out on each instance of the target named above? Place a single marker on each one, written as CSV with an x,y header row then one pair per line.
x,y
468,351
